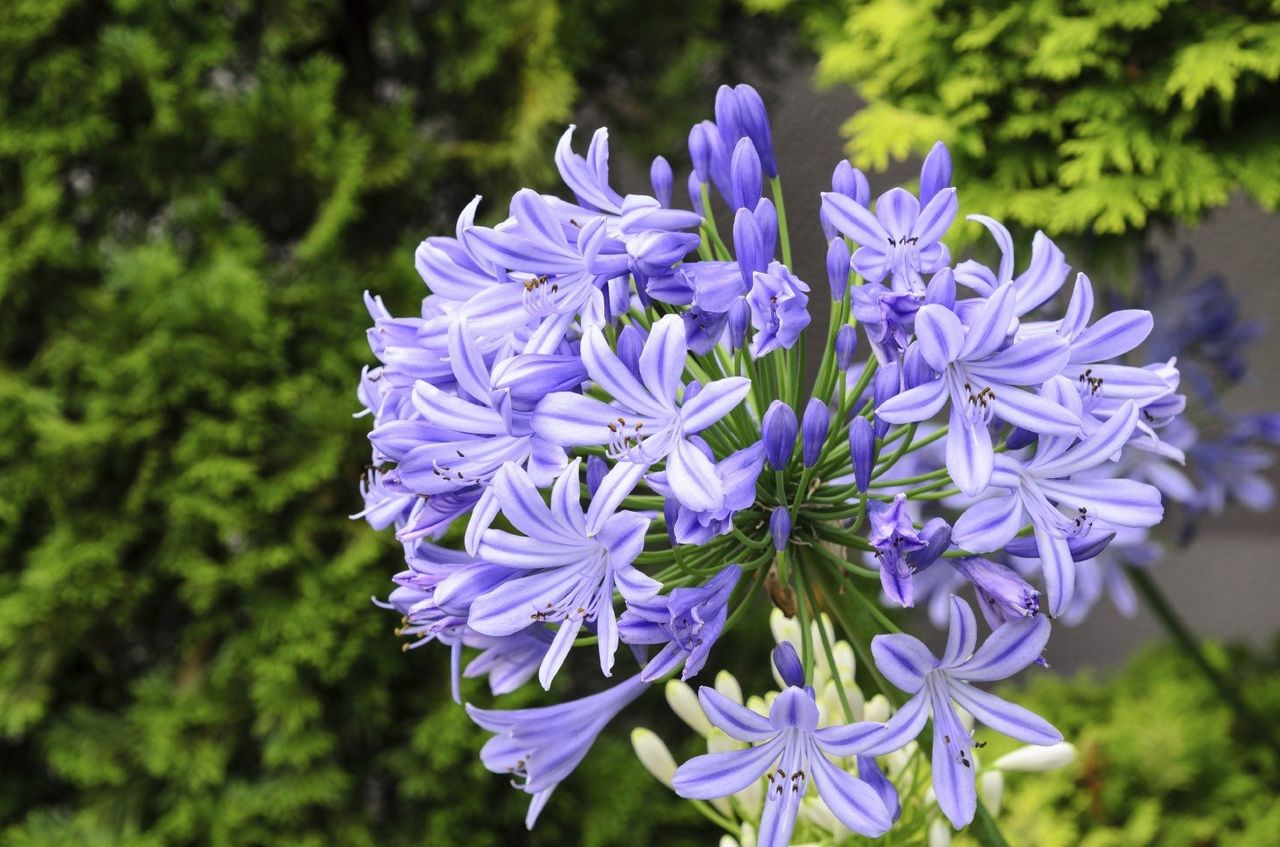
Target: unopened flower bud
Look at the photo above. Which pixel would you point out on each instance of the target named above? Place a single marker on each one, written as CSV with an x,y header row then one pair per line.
x,y
695,195
744,175
653,754
662,179
788,664
813,431
778,429
684,703
935,175
885,385
780,527
739,320
851,182
755,125
1034,758
991,789
846,347
596,470
727,684
838,268
939,833
862,451
700,151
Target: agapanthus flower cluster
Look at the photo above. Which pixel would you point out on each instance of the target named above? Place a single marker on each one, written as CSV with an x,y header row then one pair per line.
x,y
601,431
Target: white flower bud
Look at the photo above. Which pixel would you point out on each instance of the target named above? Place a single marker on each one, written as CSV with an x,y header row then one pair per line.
x,y
1035,758
728,841
727,684
747,836
684,703
653,754
719,742
991,789
878,709
939,833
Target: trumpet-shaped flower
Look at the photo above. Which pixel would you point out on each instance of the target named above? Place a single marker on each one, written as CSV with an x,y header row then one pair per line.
x,y
936,683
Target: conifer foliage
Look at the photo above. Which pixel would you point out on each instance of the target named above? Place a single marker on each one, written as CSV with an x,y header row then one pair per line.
x,y
192,197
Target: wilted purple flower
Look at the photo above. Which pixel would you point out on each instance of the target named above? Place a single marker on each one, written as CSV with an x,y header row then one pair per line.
x,y
790,750
541,746
779,303
900,240
935,683
813,431
778,429
1036,486
645,424
979,376
687,622
574,560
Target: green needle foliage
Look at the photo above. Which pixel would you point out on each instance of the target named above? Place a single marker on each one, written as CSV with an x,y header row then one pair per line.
x,y
1163,761
1085,118
193,196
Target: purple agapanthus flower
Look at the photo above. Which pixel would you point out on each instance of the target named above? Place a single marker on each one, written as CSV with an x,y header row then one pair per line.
x,y
900,550
737,473
686,622
1058,506
901,240
779,302
541,746
935,684
790,751
574,561
979,374
645,423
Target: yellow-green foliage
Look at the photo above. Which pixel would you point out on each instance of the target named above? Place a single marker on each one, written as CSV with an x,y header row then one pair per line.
x,y
1081,117
193,196
1162,761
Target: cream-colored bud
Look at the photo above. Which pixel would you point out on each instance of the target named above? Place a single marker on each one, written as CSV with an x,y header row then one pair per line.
x,y
991,789
747,835
878,709
784,628
684,703
719,742
1035,758
653,754
727,684
728,841
939,833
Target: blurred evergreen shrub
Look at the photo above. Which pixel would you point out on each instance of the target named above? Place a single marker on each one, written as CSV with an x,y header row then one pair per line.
x,y
192,197
1084,118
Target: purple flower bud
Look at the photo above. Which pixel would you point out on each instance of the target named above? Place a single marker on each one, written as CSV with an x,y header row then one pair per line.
x,y
942,289
693,389
936,173
851,182
728,116
630,344
813,431
767,218
1082,547
778,429
700,151
846,347
915,370
1020,438
886,384
755,125
739,320
744,175
695,195
936,536
1003,593
788,664
662,179
780,526
596,470
838,268
862,450
748,245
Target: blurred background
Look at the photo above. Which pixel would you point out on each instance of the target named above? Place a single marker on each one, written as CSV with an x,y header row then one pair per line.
x,y
193,197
